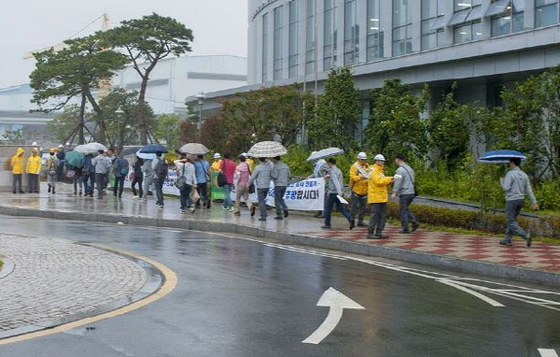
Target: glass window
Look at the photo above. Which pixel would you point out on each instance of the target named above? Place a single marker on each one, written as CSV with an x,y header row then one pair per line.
x,y
310,37
433,22
546,12
509,16
293,39
467,32
402,28
459,5
278,27
351,33
374,33
265,48
330,34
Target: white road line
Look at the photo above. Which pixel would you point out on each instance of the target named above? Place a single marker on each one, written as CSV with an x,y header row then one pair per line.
x,y
547,352
472,292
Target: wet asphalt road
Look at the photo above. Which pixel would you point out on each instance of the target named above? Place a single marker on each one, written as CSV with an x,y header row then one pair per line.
x,y
242,298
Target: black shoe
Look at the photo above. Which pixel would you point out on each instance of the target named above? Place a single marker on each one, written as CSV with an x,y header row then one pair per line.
x,y
286,214
414,227
373,236
53,191
253,211
382,236
362,224
326,227
402,231
279,218
320,217
262,219
529,241
49,189
352,224
75,193
79,194
507,244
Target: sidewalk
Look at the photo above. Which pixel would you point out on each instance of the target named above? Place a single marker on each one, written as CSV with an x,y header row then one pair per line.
x,y
470,253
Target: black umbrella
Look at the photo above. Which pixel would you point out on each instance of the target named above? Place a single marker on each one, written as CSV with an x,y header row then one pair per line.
x,y
153,148
130,150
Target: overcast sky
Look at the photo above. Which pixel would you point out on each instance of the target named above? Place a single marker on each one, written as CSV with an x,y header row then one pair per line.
x,y
219,26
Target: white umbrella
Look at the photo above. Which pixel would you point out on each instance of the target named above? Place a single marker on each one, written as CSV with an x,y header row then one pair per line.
x,y
323,154
91,148
145,156
267,149
194,148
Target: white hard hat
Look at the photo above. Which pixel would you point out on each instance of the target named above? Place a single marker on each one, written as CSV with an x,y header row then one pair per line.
x,y
67,143
245,154
217,156
362,156
379,157
61,146
34,144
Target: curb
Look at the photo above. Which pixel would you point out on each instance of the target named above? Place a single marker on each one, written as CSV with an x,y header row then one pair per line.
x,y
519,274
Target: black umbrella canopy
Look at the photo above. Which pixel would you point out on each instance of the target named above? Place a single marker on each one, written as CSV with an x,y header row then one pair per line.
x,y
130,150
153,148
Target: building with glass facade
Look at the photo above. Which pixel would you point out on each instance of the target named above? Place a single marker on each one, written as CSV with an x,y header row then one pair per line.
x,y
481,44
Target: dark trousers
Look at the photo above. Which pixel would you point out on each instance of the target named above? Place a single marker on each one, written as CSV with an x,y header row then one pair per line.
x,y
262,193
119,186
33,183
138,180
513,208
378,217
185,197
59,171
279,202
406,216
17,182
78,181
358,205
89,180
159,191
332,200
100,182
202,189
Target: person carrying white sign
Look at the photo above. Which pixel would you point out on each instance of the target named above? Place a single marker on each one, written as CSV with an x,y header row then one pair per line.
x,y
334,195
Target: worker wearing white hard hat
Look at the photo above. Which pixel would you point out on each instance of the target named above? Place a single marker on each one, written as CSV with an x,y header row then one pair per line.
x,y
320,169
378,197
217,164
359,174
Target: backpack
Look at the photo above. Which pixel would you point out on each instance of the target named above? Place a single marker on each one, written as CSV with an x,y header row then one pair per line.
x,y
121,167
88,167
162,169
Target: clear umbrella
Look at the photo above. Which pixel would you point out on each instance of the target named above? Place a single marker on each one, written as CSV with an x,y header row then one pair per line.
x,y
91,148
323,154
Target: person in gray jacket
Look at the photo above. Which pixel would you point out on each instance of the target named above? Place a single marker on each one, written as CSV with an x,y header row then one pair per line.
x,y
280,175
334,187
148,178
261,179
516,186
102,166
404,189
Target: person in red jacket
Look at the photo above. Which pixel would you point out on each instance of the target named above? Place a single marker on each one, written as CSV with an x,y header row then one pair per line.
x,y
228,169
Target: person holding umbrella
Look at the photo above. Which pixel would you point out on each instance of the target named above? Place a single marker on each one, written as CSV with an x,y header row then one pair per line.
x,y
261,179
516,186
333,181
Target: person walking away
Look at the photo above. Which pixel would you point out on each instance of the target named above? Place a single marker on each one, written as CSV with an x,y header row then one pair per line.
x,y
186,169
320,169
261,179
102,166
161,170
333,183
52,170
404,189
120,170
148,178
359,174
61,156
138,178
110,154
33,169
516,186
88,172
77,179
228,169
17,170
241,181
378,197
280,175
202,171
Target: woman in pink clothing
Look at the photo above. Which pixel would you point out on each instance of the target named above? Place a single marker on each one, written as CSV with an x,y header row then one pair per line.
x,y
242,176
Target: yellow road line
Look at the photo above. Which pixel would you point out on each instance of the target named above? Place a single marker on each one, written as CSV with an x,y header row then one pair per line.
x,y
169,284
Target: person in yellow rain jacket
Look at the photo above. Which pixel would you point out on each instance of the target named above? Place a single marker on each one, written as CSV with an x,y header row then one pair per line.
x,y
378,196
217,164
359,174
17,170
33,169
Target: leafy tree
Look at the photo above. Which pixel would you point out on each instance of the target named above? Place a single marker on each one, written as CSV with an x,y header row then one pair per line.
x,y
396,124
337,113
265,113
449,131
75,71
146,41
188,132
213,135
14,137
63,127
168,130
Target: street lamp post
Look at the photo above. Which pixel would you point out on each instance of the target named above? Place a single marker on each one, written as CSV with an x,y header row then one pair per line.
x,y
118,114
200,96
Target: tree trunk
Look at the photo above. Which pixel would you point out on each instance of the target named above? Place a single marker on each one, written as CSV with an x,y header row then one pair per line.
x,y
81,139
142,112
102,138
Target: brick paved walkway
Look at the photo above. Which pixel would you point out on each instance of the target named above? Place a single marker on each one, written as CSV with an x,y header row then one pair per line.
x,y
55,280
541,256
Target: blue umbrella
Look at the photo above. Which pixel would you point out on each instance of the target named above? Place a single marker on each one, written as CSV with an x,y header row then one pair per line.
x,y
153,148
501,156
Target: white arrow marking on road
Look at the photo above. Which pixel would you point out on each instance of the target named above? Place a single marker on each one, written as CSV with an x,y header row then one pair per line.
x,y
336,302
472,292
547,353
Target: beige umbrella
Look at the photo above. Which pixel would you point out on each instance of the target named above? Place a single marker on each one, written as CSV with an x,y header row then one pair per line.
x,y
267,149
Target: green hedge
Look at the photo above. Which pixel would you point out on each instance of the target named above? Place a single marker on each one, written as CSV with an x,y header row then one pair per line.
x,y
546,227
